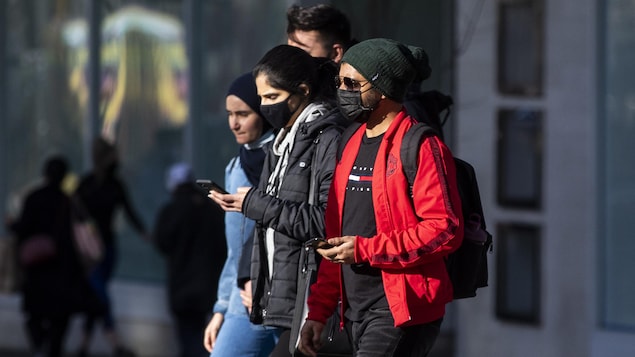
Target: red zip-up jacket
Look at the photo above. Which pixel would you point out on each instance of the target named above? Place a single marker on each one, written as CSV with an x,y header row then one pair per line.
x,y
411,241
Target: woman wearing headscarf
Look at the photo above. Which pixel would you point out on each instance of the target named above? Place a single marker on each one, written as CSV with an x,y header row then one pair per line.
x,y
229,332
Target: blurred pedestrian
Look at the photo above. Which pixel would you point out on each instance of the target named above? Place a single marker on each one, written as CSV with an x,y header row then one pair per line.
x,y
229,332
101,193
52,288
189,233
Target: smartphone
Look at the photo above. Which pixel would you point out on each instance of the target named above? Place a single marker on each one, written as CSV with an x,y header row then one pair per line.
x,y
318,243
209,185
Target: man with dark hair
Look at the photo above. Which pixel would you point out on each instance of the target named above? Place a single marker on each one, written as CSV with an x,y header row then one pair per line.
x,y
321,30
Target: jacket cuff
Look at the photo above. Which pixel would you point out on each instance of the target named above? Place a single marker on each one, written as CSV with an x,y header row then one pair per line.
x,y
357,255
317,316
250,210
220,307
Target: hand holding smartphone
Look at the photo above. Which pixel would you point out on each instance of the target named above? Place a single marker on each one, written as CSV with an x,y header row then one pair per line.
x,y
318,243
210,185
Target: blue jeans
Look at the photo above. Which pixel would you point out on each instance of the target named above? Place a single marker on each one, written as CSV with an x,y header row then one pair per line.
x,y
240,338
377,336
99,280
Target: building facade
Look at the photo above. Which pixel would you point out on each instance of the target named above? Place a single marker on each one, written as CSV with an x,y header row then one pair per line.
x,y
545,112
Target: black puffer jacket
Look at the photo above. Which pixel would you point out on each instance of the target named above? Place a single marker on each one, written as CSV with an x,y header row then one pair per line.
x,y
190,233
291,216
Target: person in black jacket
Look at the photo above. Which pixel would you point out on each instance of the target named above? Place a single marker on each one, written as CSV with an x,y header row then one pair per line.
x,y
52,289
190,233
230,333
297,98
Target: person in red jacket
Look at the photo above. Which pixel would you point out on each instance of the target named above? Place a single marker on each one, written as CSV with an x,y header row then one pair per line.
x,y
387,264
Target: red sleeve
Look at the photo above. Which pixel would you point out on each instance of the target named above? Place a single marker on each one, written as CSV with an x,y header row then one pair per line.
x,y
325,292
438,208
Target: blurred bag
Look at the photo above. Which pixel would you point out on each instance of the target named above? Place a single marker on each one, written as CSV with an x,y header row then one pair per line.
x,y
467,266
88,243
37,249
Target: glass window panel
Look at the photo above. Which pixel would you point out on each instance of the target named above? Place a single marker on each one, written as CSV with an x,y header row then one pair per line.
x,y
38,115
144,110
519,158
520,47
617,167
174,106
518,273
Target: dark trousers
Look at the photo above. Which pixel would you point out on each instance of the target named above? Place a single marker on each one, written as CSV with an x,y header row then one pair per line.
x,y
190,327
377,336
99,280
47,333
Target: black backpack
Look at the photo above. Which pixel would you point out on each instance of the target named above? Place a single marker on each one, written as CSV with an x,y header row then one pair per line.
x,y
427,107
467,266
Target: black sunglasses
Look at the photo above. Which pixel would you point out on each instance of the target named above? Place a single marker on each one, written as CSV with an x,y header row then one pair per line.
x,y
350,83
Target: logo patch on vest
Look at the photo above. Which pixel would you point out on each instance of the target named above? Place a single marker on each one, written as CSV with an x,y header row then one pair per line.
x,y
391,165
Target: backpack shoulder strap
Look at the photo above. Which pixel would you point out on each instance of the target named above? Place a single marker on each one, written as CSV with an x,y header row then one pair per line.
x,y
346,135
468,189
466,175
410,149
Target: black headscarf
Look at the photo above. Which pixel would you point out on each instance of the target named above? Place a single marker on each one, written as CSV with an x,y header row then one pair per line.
x,y
252,161
251,158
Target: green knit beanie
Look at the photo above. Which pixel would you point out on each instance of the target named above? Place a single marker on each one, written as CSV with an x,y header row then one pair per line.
x,y
390,66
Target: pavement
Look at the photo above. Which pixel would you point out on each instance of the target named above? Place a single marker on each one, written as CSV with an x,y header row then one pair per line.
x,y
5,353
442,348
16,353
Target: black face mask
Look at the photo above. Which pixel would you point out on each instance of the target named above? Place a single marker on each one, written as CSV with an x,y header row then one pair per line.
x,y
278,115
351,106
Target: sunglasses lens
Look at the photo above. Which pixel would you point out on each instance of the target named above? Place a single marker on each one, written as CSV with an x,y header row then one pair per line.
x,y
349,83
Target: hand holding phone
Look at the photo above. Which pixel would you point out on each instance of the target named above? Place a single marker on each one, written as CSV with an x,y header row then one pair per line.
x,y
318,243
210,185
